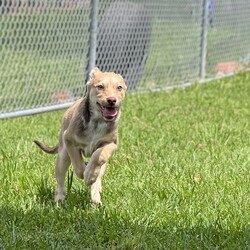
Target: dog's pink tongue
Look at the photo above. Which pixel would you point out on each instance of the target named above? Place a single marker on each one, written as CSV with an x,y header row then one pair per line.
x,y
110,112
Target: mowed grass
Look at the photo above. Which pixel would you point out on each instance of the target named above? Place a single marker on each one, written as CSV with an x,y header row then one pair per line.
x,y
180,179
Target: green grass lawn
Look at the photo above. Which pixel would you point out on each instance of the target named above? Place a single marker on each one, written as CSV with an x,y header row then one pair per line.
x,y
180,179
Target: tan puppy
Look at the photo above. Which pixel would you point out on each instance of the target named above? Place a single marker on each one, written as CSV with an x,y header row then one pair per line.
x,y
89,128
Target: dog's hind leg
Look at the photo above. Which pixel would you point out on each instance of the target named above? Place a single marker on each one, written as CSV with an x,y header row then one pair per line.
x,y
76,160
62,165
96,187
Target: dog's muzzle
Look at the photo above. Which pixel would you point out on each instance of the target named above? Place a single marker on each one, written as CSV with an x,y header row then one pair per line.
x,y
109,113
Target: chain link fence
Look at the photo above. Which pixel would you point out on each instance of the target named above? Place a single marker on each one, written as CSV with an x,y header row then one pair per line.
x,y
228,41
47,47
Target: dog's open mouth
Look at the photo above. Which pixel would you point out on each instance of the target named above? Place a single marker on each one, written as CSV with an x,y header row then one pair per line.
x,y
109,113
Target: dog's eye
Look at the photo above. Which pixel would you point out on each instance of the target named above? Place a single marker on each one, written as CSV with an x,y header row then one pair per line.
x,y
100,87
119,88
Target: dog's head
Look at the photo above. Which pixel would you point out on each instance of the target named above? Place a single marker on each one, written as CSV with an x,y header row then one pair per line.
x,y
106,91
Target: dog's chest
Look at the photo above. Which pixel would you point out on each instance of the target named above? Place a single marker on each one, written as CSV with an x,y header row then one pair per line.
x,y
95,136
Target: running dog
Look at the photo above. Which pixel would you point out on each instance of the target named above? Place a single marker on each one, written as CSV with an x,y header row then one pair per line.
x,y
89,129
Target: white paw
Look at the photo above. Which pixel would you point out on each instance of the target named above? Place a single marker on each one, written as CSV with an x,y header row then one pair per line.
x,y
95,193
96,199
59,197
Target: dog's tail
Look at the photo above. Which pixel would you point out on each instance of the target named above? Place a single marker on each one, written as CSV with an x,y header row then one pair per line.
x,y
49,150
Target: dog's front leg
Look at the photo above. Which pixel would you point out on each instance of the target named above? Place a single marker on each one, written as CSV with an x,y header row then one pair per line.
x,y
98,159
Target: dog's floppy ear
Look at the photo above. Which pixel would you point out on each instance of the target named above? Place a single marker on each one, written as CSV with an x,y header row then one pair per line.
x,y
94,72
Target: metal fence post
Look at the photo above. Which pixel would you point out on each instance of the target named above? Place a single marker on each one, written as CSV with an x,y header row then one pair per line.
x,y
203,55
92,37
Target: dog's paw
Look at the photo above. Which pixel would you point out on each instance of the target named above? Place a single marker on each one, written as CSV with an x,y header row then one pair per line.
x,y
89,179
96,199
91,176
59,198
95,193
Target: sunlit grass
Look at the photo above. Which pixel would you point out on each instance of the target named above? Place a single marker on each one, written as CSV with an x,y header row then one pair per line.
x,y
180,179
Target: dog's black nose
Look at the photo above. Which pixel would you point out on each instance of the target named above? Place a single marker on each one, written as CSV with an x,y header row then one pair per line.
x,y
111,101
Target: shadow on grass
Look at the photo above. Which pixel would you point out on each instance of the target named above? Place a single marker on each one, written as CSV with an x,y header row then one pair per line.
x,y
77,197
78,226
